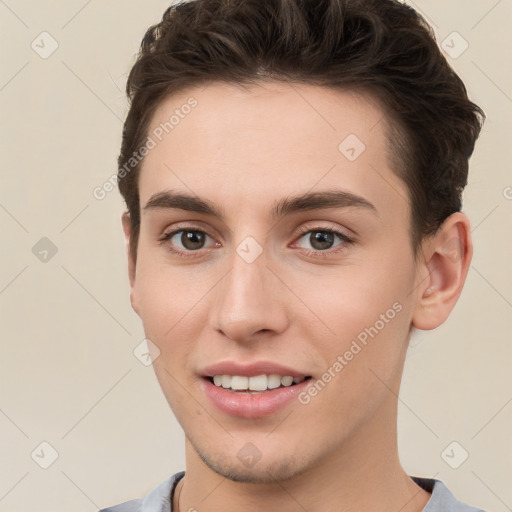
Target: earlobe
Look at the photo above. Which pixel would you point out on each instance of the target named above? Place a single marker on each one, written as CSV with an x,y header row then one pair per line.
x,y
127,229
443,272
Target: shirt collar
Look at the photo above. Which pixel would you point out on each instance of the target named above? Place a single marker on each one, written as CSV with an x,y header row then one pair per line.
x,y
160,498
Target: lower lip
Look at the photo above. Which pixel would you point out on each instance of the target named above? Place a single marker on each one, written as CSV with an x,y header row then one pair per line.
x,y
246,405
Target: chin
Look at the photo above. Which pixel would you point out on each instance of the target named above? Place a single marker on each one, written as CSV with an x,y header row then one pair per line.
x,y
261,472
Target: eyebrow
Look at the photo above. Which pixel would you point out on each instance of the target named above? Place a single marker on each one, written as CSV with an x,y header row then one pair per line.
x,y
328,199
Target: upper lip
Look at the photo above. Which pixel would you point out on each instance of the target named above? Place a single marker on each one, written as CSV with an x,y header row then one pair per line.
x,y
250,369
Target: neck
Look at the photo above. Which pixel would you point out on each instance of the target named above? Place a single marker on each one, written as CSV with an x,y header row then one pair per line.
x,y
362,474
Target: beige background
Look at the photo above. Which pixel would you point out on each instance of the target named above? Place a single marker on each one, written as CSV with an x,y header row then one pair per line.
x,y
69,376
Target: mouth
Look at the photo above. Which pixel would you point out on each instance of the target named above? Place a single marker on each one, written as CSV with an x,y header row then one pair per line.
x,y
255,396
257,384
252,389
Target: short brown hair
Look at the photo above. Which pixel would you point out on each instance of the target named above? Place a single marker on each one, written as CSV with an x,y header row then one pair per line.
x,y
383,47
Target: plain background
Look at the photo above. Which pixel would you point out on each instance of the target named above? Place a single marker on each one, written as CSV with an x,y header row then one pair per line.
x,y
69,376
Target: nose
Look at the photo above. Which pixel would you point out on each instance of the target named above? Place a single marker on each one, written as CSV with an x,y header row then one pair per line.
x,y
250,301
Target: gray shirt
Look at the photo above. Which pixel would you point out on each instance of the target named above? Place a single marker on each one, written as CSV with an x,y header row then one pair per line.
x,y
160,498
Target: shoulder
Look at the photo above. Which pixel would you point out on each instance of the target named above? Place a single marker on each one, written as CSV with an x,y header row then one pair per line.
x,y
159,498
127,506
442,499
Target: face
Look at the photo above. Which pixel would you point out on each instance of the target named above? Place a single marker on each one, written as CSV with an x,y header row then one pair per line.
x,y
237,274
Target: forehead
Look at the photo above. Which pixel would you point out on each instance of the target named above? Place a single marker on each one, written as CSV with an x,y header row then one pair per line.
x,y
259,143
223,113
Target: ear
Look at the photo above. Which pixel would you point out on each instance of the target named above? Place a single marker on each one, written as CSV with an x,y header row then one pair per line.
x,y
443,270
127,229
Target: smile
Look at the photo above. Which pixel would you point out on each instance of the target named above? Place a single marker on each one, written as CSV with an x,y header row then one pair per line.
x,y
249,403
257,384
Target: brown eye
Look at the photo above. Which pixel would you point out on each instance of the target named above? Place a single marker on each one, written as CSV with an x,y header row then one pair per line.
x,y
192,240
321,240
324,239
187,242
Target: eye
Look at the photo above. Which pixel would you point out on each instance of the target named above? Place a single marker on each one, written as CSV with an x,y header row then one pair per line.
x,y
323,239
186,240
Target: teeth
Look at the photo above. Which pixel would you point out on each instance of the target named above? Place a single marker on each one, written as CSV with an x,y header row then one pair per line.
x,y
273,381
239,383
257,383
287,381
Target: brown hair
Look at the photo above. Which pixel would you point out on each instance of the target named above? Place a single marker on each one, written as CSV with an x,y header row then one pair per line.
x,y
381,46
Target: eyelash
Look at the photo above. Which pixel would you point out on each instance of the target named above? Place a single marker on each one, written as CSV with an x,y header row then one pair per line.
x,y
345,241
307,229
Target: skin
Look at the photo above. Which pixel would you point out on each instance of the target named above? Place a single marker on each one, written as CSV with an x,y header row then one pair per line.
x,y
244,150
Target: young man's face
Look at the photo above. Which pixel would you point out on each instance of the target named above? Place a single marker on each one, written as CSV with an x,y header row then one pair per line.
x,y
264,287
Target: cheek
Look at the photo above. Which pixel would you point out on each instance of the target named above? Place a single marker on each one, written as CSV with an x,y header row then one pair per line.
x,y
363,314
362,361
173,305
370,335
165,303
352,300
